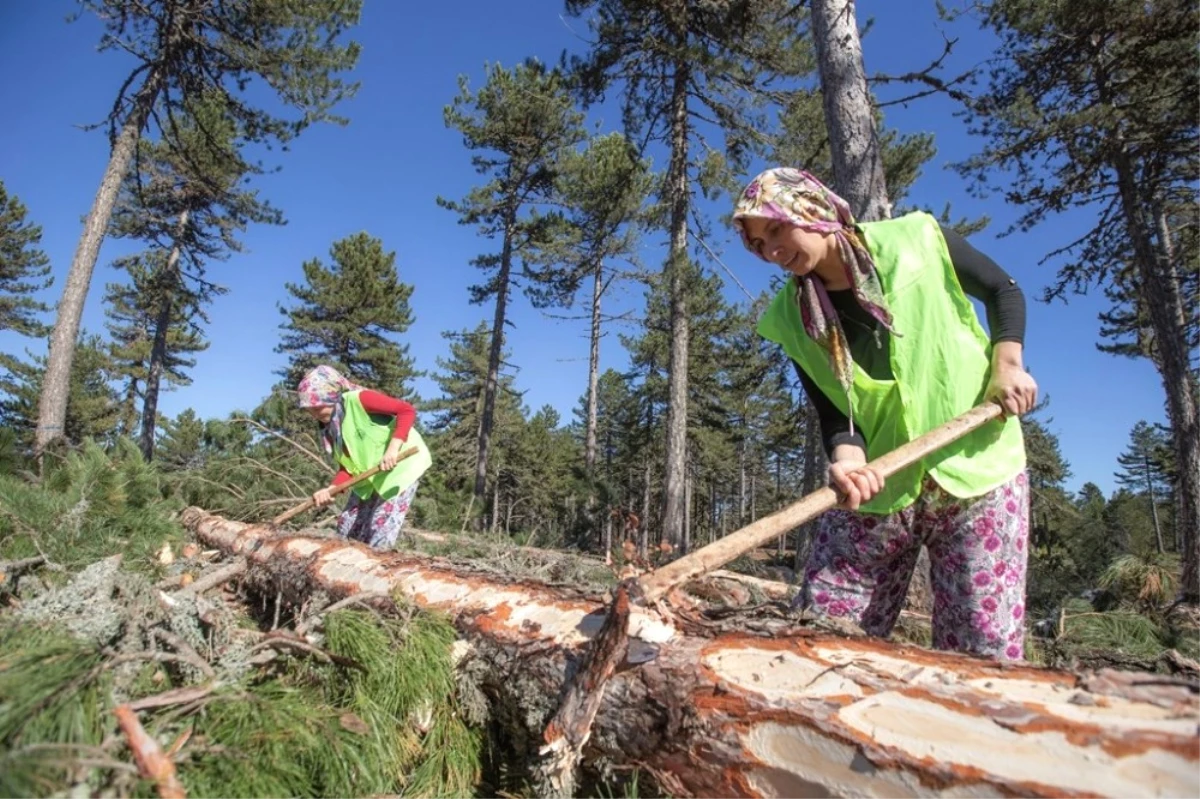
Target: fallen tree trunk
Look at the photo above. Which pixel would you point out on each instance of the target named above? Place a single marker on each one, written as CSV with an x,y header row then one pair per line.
x,y
756,705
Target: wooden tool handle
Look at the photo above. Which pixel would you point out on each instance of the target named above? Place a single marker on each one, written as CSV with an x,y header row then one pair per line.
x,y
739,542
338,489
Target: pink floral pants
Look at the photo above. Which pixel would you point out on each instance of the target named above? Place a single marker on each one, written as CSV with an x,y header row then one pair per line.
x,y
861,565
375,520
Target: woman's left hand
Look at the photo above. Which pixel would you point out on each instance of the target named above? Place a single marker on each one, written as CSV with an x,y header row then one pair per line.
x,y
391,456
1014,388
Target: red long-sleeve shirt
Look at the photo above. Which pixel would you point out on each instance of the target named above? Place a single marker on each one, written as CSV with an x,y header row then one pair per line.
x,y
375,403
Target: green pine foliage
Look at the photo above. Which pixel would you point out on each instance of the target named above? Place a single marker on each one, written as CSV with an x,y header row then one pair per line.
x,y
389,725
93,407
53,698
89,505
348,314
24,270
381,719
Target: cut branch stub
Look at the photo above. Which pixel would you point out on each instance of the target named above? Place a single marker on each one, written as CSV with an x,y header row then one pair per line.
x,y
568,732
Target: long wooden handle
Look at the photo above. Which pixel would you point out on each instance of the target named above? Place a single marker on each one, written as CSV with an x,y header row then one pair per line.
x,y
338,489
739,542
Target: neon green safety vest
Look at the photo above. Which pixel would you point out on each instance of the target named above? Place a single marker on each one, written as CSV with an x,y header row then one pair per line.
x,y
940,359
364,441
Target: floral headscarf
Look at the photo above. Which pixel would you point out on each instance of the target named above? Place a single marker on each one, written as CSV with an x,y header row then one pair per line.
x,y
796,197
324,386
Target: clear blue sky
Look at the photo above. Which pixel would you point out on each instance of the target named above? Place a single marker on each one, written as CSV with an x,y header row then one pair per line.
x,y
382,172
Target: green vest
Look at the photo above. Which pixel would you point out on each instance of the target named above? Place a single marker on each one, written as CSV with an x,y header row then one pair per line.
x,y
940,359
363,443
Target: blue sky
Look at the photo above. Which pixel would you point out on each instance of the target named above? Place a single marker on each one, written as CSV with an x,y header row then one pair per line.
x,y
382,173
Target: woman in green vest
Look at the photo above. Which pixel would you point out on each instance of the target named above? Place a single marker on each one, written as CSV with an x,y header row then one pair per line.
x,y
361,428
877,318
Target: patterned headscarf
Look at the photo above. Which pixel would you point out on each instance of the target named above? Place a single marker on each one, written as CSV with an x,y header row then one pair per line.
x,y
798,198
324,386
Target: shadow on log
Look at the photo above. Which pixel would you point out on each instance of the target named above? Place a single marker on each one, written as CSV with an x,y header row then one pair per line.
x,y
763,707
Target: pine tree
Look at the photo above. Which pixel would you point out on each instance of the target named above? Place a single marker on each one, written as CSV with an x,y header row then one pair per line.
x,y
187,198
711,320
1058,566
1127,324
182,445
456,415
1143,471
855,150
763,416
684,67
347,315
520,123
1093,104
603,189
536,476
803,142
189,51
616,421
93,409
24,269
133,316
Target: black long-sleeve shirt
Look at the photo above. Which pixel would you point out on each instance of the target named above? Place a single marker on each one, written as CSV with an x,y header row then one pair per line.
x,y
980,278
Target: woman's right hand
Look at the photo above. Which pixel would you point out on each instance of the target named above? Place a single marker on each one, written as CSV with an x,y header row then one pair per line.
x,y
855,482
322,498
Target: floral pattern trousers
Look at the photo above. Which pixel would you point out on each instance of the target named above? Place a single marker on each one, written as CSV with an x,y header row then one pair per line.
x,y
375,521
861,565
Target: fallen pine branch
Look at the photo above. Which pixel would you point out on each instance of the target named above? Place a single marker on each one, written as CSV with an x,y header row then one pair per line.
x,y
176,696
186,651
350,601
278,642
216,578
777,708
23,564
151,762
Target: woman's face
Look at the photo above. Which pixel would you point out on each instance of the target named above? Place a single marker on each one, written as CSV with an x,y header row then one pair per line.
x,y
322,413
789,247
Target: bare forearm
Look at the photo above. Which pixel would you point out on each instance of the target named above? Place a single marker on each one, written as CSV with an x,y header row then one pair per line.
x,y
1008,353
848,452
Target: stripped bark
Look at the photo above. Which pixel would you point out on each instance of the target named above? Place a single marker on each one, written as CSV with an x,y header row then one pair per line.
x,y
152,763
758,705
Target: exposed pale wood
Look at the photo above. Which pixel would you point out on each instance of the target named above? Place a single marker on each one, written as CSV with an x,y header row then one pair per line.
x,y
756,705
152,763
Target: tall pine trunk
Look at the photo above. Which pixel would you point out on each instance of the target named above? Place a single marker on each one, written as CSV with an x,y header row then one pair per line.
x,y
128,417
487,418
1159,287
167,286
589,453
644,530
674,476
686,541
52,404
1163,301
814,467
853,139
742,479
1158,536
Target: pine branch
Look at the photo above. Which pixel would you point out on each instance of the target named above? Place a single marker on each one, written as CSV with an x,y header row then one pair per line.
x,y
304,450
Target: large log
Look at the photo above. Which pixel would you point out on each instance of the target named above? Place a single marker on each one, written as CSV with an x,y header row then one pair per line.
x,y
762,706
